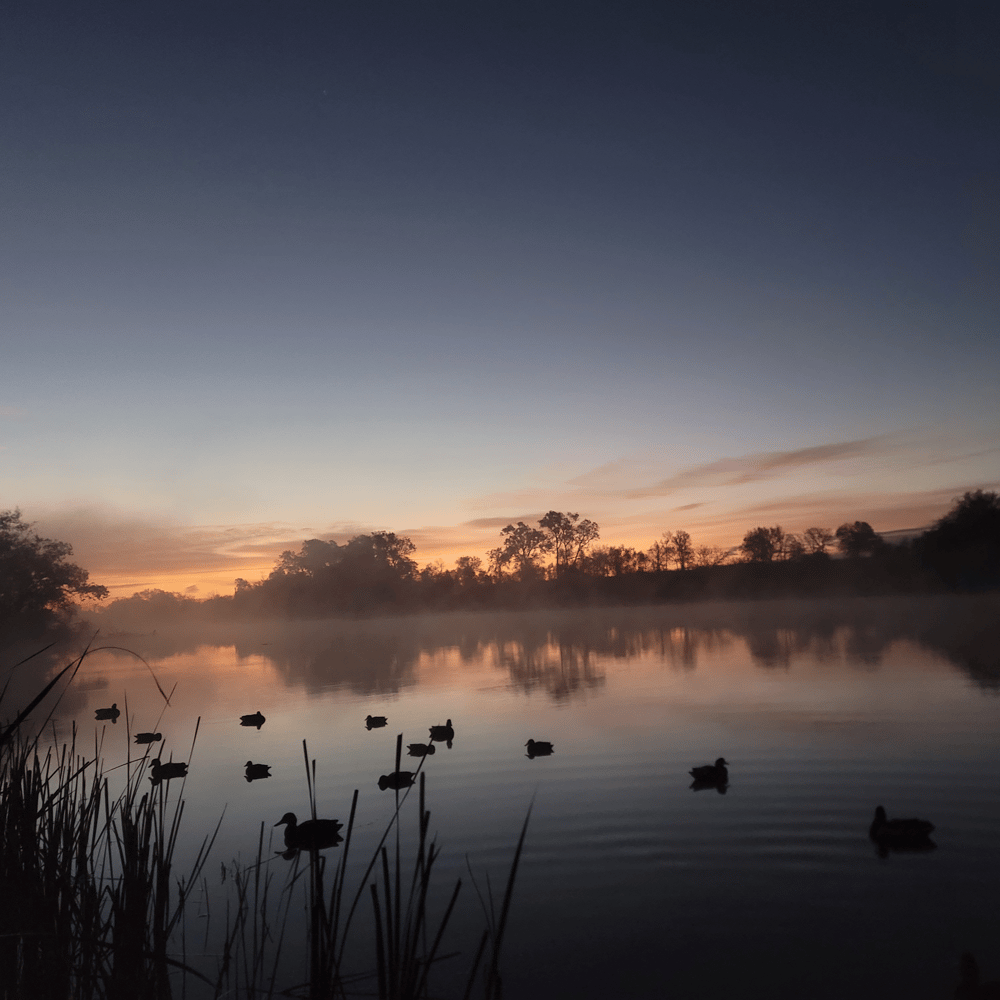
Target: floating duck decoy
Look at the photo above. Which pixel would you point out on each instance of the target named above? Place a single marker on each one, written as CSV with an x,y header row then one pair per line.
x,y
148,737
256,719
109,713
443,734
375,721
164,772
711,774
538,748
900,834
420,749
256,771
397,780
312,835
969,987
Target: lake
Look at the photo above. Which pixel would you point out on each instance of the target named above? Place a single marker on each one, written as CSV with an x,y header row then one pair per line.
x,y
631,883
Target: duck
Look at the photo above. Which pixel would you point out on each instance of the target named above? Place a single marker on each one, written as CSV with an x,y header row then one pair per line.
x,y
969,987
900,834
255,771
397,780
375,721
312,835
256,719
420,749
109,713
538,748
711,774
148,737
443,734
164,772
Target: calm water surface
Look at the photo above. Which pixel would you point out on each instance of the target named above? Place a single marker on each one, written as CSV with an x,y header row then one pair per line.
x,y
631,883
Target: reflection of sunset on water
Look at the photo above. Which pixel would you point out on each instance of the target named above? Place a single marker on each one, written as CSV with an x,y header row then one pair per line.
x,y
821,709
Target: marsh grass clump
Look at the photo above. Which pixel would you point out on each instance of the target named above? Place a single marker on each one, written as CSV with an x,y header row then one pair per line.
x,y
403,941
90,901
92,907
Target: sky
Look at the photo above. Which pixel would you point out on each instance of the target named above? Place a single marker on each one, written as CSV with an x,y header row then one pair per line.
x,y
282,271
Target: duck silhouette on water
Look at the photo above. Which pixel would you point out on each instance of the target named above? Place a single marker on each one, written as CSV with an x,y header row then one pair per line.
x,y
148,737
711,776
108,713
901,835
312,835
443,734
420,749
539,748
375,721
164,772
254,772
256,719
398,780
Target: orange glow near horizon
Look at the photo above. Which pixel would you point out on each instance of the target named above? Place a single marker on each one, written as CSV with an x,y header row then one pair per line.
x,y
169,562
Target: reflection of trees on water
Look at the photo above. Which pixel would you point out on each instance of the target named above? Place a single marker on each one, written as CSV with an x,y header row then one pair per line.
x,y
562,653
773,648
565,659
366,663
963,630
866,645
971,643
681,647
561,668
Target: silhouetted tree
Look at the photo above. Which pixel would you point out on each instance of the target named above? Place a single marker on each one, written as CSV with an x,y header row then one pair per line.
x,y
615,560
963,547
683,549
155,604
568,538
432,572
368,571
858,539
497,562
661,552
817,539
709,555
468,570
312,559
792,547
524,547
37,583
763,544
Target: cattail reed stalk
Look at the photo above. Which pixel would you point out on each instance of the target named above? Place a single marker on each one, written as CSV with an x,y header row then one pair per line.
x,y
98,905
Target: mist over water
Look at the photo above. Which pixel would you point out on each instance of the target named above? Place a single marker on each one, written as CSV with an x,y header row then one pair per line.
x,y
632,883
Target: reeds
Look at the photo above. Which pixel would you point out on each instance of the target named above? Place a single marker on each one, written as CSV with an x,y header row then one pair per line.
x,y
91,908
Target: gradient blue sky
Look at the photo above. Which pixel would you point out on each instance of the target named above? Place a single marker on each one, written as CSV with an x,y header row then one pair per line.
x,y
278,271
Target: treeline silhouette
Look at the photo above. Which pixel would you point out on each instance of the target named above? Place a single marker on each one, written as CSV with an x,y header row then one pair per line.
x,y
558,564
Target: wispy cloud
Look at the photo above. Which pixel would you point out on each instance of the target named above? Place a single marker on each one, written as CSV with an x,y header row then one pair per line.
x,y
502,522
884,510
763,465
628,479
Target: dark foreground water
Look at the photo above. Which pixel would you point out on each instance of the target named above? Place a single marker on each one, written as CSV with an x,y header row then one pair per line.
x,y
631,884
